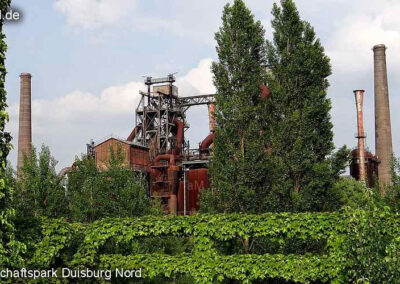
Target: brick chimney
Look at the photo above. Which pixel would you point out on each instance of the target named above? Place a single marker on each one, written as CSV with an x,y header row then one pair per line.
x,y
383,132
25,119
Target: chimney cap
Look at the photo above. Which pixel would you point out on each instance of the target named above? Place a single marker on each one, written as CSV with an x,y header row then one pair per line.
x,y
379,46
24,74
358,90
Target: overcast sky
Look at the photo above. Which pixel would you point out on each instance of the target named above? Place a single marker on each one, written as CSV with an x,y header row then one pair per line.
x,y
87,58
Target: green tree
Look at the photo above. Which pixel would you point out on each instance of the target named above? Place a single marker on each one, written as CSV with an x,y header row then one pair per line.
x,y
347,192
9,248
39,190
299,122
240,168
392,196
113,192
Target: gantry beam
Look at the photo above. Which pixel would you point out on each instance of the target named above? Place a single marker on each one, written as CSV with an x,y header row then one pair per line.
x,y
197,100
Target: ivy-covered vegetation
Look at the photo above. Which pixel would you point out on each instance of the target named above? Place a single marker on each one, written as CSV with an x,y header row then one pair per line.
x,y
352,246
9,248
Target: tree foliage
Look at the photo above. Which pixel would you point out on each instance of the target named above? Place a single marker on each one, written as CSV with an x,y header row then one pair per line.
x,y
112,192
299,121
39,191
240,169
347,192
9,248
86,194
371,251
392,196
274,154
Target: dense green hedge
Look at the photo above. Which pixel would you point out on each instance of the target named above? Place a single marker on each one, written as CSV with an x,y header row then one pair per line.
x,y
108,244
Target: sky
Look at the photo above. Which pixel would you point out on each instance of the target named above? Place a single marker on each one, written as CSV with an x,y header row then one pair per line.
x,y
88,59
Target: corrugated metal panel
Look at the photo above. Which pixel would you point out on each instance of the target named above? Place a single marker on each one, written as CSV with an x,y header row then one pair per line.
x,y
197,180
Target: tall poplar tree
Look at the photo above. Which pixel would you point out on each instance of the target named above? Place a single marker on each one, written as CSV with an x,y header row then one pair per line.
x,y
239,168
301,127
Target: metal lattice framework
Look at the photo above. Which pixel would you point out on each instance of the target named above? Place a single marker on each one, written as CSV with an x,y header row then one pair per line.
x,y
197,100
156,112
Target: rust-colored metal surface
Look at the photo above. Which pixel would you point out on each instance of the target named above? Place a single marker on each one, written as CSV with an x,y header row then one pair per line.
x,y
164,181
211,117
134,132
156,146
371,167
25,118
265,92
196,181
166,89
164,173
179,136
205,144
359,96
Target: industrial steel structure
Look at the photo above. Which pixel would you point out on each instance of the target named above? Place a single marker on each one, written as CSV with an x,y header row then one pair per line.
x,y
157,148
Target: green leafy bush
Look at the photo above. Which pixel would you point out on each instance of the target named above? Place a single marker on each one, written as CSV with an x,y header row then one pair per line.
x,y
301,247
116,191
10,249
371,250
39,191
198,256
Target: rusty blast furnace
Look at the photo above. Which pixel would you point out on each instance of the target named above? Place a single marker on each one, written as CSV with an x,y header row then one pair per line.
x,y
176,173
157,147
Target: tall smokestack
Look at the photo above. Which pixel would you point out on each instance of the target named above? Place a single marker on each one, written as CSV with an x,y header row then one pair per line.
x,y
25,121
383,133
359,96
